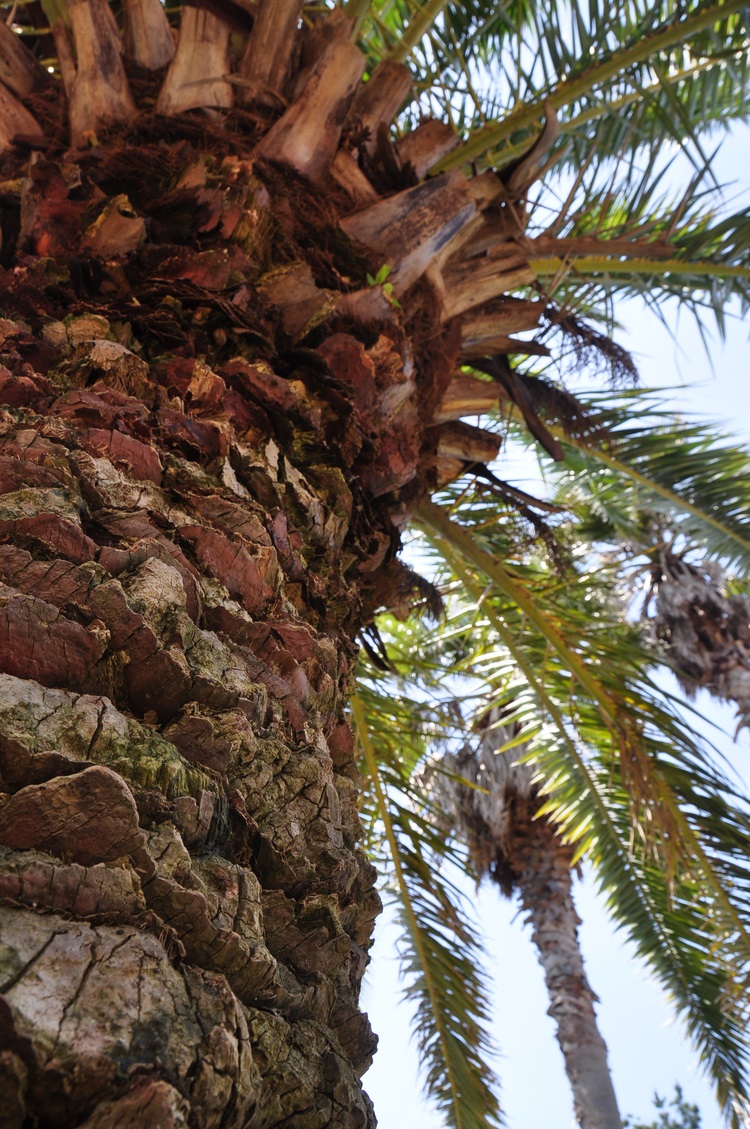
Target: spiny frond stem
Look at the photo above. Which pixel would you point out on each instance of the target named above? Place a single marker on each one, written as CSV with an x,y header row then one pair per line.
x,y
643,480
545,702
418,25
555,267
360,723
692,840
508,152
563,250
358,10
433,518
567,91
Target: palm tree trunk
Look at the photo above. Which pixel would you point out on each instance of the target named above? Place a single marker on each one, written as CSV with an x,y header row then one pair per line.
x,y
185,913
492,800
541,866
209,417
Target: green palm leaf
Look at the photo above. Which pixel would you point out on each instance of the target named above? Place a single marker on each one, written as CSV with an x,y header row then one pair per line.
x,y
626,236
625,80
679,471
441,958
649,72
687,911
576,59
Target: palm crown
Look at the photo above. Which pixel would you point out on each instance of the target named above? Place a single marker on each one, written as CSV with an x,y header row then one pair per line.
x,y
544,637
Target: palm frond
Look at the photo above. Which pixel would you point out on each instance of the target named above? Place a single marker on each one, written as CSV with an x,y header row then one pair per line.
x,y
441,957
681,104
626,234
646,71
688,915
578,59
681,471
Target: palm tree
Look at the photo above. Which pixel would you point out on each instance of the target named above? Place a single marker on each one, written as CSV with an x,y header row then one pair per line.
x,y
236,310
692,550
598,765
494,804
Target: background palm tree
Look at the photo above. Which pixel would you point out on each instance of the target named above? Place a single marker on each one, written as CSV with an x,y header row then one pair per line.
x,y
690,558
618,773
493,803
238,315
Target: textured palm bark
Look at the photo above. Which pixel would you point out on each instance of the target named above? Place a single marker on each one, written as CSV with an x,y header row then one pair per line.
x,y
186,553
540,863
186,914
211,426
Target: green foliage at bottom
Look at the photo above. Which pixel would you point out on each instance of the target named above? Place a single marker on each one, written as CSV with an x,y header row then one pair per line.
x,y
678,1114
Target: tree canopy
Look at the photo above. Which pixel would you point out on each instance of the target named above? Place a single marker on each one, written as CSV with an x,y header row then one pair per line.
x,y
477,248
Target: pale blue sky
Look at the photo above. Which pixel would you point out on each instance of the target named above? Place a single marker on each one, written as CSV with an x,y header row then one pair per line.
x,y
648,1049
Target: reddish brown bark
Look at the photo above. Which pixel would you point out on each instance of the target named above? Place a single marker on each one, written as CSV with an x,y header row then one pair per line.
x,y
209,633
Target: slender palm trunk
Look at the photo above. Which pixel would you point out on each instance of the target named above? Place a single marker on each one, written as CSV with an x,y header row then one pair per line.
x,y
523,853
543,878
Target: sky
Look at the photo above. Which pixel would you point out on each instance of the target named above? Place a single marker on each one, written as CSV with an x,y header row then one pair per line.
x,y
648,1047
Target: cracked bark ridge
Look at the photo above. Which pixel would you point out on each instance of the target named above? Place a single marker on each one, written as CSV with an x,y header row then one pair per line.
x,y
88,817
104,1002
